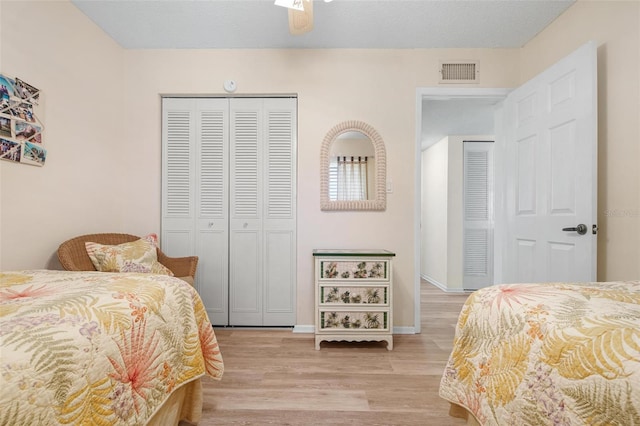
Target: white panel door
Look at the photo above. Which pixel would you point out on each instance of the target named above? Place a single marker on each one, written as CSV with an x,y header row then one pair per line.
x,y
478,218
551,148
262,223
279,224
245,220
178,177
212,206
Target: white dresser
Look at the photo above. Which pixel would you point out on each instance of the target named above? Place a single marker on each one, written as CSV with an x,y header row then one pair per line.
x,y
353,295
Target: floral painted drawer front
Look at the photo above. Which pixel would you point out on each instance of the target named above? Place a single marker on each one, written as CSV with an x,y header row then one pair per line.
x,y
357,269
357,295
354,320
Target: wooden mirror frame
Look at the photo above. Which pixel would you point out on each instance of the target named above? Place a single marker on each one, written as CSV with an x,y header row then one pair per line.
x,y
380,200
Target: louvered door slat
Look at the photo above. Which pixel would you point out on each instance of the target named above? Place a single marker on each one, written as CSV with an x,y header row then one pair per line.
x,y
476,185
177,164
279,185
212,167
476,247
245,164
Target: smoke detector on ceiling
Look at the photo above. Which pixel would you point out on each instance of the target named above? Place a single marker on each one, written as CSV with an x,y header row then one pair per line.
x,y
459,72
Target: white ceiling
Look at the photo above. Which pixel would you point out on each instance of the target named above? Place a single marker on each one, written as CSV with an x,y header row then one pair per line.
x,y
442,118
396,24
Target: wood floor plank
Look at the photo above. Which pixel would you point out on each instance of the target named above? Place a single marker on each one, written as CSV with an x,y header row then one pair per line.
x,y
277,377
287,399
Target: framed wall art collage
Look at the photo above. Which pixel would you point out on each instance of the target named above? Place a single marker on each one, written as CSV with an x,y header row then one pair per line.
x,y
20,129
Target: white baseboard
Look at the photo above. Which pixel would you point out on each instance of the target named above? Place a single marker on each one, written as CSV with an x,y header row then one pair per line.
x,y
304,328
443,287
435,282
404,330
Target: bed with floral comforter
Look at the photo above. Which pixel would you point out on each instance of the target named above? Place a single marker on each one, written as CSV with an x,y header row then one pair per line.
x,y
548,354
98,348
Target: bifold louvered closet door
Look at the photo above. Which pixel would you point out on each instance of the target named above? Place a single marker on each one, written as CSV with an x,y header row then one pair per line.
x,y
228,196
478,220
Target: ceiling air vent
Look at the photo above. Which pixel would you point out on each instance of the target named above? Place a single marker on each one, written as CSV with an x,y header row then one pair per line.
x,y
459,72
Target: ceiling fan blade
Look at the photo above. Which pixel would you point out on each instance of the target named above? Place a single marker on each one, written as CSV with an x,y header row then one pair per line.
x,y
301,21
291,4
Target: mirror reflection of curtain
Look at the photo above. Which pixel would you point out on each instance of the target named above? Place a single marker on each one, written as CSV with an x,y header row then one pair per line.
x,y
348,178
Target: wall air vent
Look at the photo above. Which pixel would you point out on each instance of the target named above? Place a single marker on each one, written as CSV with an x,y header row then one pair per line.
x,y
459,72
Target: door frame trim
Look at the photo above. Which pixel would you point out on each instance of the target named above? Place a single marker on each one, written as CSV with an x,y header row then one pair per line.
x,y
444,93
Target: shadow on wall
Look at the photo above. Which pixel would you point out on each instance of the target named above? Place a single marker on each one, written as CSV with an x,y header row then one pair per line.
x,y
602,163
54,262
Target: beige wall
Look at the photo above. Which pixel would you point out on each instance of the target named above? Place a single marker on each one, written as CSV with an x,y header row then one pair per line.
x,y
615,26
83,186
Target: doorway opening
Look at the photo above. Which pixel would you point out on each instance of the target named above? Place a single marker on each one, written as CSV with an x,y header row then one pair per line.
x,y
440,112
545,172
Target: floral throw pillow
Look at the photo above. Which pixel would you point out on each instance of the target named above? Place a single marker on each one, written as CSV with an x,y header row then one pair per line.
x,y
136,256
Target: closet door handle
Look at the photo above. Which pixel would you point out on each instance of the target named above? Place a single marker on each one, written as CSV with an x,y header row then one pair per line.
x,y
245,225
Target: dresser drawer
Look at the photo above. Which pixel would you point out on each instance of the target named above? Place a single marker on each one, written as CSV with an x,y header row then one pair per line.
x,y
351,294
352,320
357,269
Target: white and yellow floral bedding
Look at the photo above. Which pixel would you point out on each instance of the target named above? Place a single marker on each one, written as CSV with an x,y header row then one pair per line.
x,y
95,348
548,354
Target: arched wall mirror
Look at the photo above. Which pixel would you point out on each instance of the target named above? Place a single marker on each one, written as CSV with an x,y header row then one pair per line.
x,y
353,168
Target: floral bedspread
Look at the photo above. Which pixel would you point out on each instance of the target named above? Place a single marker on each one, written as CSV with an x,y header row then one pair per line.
x,y
548,354
96,348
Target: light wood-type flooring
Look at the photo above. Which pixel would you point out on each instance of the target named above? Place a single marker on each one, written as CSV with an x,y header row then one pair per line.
x,y
276,377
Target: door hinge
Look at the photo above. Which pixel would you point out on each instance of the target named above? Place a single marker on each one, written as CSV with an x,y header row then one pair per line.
x,y
594,229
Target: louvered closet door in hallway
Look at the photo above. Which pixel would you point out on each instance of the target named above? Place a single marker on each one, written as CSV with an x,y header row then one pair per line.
x,y
478,219
229,164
